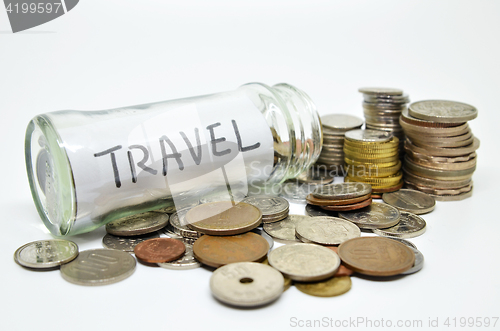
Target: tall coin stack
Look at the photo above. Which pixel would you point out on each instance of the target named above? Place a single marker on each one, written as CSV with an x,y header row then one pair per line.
x,y
441,150
382,108
334,128
372,157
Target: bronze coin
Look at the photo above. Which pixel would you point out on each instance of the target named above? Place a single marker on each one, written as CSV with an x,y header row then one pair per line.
x,y
389,189
159,250
216,251
354,206
223,218
376,256
343,270
328,202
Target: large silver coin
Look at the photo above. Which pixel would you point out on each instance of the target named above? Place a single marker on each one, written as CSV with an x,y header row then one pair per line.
x,y
326,230
380,90
368,136
442,111
375,216
187,261
341,122
126,244
314,211
99,267
342,191
138,224
412,201
44,254
409,226
419,262
269,206
285,229
305,262
246,284
179,225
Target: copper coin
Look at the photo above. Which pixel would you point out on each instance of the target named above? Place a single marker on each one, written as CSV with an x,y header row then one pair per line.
x,y
354,206
216,251
223,218
343,270
376,256
389,189
328,202
159,250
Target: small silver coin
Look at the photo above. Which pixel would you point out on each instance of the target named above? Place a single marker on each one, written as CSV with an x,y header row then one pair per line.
x,y
305,262
138,224
341,122
368,136
99,267
126,244
285,229
326,230
187,261
442,111
45,254
342,191
412,201
409,226
264,235
269,206
381,90
419,262
376,216
246,284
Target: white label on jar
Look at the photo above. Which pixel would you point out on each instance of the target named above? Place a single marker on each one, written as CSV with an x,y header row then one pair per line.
x,y
135,155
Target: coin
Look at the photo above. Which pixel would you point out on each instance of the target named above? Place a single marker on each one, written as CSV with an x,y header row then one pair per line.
x,y
341,122
354,206
368,136
342,191
273,208
179,224
433,192
343,270
376,216
405,242
264,235
405,117
456,197
411,201
185,262
326,288
216,251
326,230
159,250
285,229
126,244
137,224
99,267
223,218
315,176
442,111
296,191
419,262
316,211
305,262
438,174
327,202
409,226
376,256
45,254
380,90
246,284
224,195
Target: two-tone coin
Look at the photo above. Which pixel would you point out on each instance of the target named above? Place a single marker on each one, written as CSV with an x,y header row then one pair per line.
x,y
326,288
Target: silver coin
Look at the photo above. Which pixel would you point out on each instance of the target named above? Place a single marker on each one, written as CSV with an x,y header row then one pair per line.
x,y
269,206
285,229
315,176
45,254
296,192
178,204
442,111
405,242
246,284
375,216
381,90
342,191
368,135
326,231
264,235
126,244
314,211
169,231
99,267
223,196
305,262
187,261
409,226
275,218
179,224
419,262
137,224
457,197
412,201
341,121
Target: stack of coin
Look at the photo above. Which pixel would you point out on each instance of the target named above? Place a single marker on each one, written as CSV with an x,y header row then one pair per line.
x,y
341,197
382,108
273,208
440,148
372,157
334,128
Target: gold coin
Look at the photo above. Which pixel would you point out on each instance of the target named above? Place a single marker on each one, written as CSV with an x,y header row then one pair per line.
x,y
389,181
394,141
327,288
378,163
372,170
394,158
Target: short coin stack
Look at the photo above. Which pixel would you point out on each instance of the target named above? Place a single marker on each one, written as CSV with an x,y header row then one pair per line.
x,y
334,128
441,150
382,108
372,157
341,197
273,208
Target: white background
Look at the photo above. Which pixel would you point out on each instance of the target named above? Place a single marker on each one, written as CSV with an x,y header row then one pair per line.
x,y
105,54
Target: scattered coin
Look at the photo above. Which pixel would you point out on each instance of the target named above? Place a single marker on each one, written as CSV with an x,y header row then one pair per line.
x,y
409,226
264,235
412,201
343,270
273,208
317,211
296,191
405,242
246,284
419,262
187,261
326,230
288,281
137,224
99,267
45,254
326,288
179,225
285,229
126,244
160,250
376,216
376,256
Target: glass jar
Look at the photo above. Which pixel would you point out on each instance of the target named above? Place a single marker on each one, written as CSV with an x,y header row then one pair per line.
x,y
88,168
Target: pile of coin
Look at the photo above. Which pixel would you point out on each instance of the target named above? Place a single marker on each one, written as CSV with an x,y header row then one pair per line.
x,y
334,128
440,148
341,197
382,108
273,208
372,157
